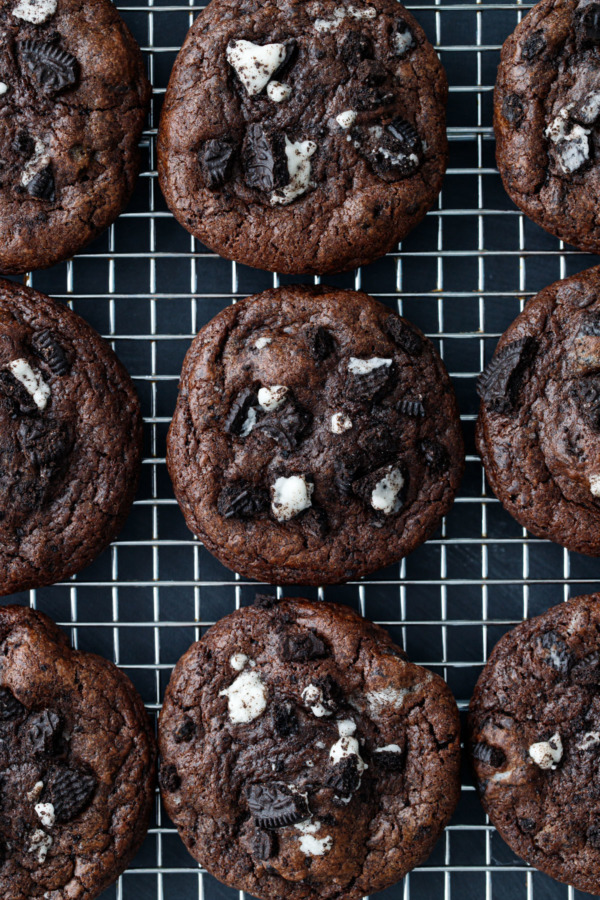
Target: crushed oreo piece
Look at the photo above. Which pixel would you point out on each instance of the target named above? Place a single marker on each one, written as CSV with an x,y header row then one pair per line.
x,y
356,47
285,721
557,654
586,670
53,69
500,383
396,151
238,414
389,760
372,386
44,732
47,347
42,185
242,500
365,486
528,826
291,54
24,144
185,731
10,708
491,756
169,779
265,161
344,777
288,425
533,46
412,408
46,442
513,110
264,844
588,25
275,806
321,343
70,791
315,522
216,161
302,647
403,335
586,392
437,458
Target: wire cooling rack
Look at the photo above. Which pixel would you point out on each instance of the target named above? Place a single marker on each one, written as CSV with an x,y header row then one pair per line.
x,y
462,276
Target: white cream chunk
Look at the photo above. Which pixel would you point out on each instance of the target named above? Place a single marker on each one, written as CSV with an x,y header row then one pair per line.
x,y
255,63
263,342
346,119
246,697
312,696
36,163
249,423
340,423
403,41
595,484
290,496
365,366
31,380
35,791
35,11
385,494
347,745
3,88
238,661
547,754
590,740
340,13
40,844
298,154
572,140
312,846
389,748
278,92
589,111
271,398
45,813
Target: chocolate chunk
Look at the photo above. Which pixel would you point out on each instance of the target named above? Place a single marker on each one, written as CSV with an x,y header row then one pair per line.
x,y
264,844
412,408
216,161
242,501
321,343
70,791
587,395
44,732
533,46
275,806
169,779
288,425
285,721
513,109
53,69
265,161
372,386
344,777
389,760
24,144
46,442
588,25
302,647
403,335
238,414
42,185
47,347
356,47
491,756
10,708
556,653
185,731
437,458
500,383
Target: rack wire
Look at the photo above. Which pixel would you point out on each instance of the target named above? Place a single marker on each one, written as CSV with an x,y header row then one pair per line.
x,y
462,276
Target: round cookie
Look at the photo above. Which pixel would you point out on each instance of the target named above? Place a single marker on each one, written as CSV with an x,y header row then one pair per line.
x,y
316,436
70,441
304,756
539,420
73,100
303,136
77,764
547,119
535,741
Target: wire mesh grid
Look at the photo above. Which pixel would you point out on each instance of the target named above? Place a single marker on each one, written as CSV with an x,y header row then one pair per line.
x,y
462,277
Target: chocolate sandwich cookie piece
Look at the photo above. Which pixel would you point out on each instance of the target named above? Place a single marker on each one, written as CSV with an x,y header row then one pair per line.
x,y
316,436
303,136
535,741
70,441
77,764
539,421
304,756
73,99
547,118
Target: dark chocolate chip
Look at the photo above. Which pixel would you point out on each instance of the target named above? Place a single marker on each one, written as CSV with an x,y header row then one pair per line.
x,y
437,458
491,756
53,69
42,185
285,721
240,408
70,791
412,408
275,806
302,646
47,347
344,777
533,46
169,779
264,844
44,732
185,731
321,343
46,442
403,335
556,653
10,708
216,161
500,383
389,760
265,160
288,425
242,500
356,47
588,25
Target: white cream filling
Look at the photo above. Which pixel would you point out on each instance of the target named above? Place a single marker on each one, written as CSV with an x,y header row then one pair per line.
x,y
35,11
312,696
547,754
364,366
271,398
385,494
40,844
263,342
595,484
298,154
45,813
340,423
347,745
255,63
278,92
290,496
246,697
346,119
31,380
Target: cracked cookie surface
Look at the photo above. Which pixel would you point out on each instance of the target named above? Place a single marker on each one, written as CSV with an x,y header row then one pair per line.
x,y
304,756
547,119
70,441
73,100
539,420
316,436
303,136
534,724
77,764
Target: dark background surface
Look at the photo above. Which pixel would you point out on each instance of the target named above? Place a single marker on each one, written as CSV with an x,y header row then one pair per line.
x,y
462,277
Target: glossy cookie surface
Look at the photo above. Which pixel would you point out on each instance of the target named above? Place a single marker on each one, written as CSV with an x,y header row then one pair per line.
x,y
303,136
316,436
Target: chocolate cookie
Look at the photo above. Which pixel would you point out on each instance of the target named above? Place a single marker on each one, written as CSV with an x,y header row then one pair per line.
x,y
316,436
77,764
304,756
73,99
547,119
70,441
535,731
539,423
303,136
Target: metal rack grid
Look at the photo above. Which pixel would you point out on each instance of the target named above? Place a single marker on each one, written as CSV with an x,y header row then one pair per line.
x,y
462,276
